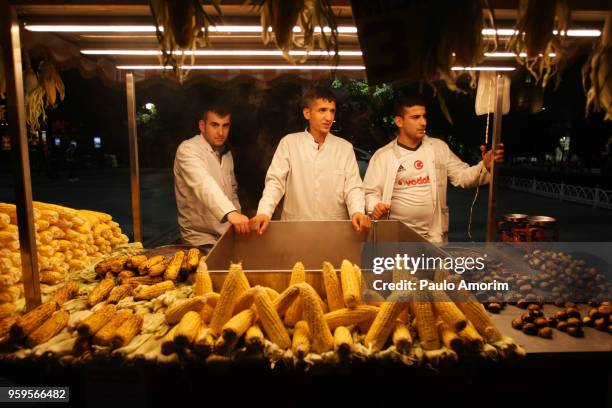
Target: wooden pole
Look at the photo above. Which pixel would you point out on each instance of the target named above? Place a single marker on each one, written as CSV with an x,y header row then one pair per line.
x,y
11,46
497,126
134,170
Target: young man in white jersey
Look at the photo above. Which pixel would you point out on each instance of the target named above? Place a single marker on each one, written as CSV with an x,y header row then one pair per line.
x,y
315,171
406,180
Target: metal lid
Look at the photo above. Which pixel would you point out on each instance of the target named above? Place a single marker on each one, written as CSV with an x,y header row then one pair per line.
x,y
541,220
515,217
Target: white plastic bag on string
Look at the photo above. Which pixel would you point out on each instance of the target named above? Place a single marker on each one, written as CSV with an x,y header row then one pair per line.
x,y
485,94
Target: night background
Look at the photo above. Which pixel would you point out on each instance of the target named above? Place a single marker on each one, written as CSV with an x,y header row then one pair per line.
x,y
263,112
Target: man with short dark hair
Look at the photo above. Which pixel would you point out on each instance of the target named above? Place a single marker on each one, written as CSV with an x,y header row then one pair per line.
x,y
315,171
204,182
407,179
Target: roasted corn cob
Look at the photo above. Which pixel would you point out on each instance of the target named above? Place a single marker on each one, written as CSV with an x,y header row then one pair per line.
x,y
101,291
126,332
119,292
174,266
104,336
96,321
66,292
153,291
32,320
254,338
48,329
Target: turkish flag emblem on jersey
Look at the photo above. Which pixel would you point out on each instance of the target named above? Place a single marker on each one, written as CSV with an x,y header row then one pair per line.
x,y
418,164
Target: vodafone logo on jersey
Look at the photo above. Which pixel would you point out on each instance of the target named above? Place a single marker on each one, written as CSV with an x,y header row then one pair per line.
x,y
418,164
417,181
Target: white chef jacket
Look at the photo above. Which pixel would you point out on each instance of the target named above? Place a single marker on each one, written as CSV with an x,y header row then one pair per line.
x,y
441,163
318,182
205,189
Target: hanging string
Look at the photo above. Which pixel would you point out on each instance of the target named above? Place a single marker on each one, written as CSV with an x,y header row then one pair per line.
x,y
491,85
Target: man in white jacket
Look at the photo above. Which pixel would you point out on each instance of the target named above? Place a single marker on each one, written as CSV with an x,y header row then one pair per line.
x,y
407,179
315,171
204,182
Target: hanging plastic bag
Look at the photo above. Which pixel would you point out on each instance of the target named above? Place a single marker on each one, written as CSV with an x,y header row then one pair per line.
x,y
485,94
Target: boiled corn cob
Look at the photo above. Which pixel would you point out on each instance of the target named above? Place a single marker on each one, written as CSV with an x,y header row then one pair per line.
x,y
383,325
188,329
471,338
234,286
351,289
333,291
449,312
426,324
167,344
301,340
270,320
203,283
477,315
402,340
205,343
254,338
349,317
343,341
322,339
238,325
294,312
450,339
177,310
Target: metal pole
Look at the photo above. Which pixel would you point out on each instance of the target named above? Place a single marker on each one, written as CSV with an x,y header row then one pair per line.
x,y
134,171
497,125
11,45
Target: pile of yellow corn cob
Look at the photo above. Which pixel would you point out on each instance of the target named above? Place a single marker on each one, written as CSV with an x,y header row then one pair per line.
x,y
297,325
298,319
66,239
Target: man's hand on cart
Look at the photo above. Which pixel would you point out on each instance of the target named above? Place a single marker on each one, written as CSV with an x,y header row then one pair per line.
x,y
259,223
240,222
487,157
381,211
